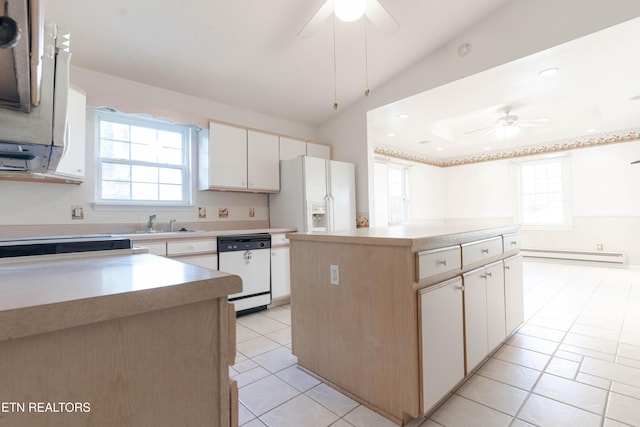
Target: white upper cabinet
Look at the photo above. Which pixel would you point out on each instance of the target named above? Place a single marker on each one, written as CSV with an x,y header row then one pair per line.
x,y
236,159
291,148
319,150
72,162
263,162
223,158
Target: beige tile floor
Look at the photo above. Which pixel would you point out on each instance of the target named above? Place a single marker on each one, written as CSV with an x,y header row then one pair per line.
x,y
575,362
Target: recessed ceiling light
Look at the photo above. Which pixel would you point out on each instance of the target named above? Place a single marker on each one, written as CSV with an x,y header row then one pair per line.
x,y
549,72
487,148
439,149
424,141
635,98
391,134
590,130
403,116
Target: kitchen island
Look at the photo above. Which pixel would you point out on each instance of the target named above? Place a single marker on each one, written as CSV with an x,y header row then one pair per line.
x,y
126,340
397,317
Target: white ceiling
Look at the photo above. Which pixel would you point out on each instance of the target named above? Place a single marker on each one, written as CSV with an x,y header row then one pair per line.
x,y
589,97
246,53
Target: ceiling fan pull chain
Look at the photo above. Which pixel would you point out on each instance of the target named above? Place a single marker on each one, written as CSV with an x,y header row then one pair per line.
x,y
366,61
335,78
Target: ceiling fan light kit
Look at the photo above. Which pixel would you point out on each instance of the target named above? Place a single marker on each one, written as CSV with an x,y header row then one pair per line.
x,y
349,10
507,131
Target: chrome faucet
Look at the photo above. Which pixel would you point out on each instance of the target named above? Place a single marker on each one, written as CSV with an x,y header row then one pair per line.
x,y
150,223
172,222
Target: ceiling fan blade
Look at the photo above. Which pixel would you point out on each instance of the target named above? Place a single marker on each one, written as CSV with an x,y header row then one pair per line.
x,y
382,19
316,20
532,123
480,130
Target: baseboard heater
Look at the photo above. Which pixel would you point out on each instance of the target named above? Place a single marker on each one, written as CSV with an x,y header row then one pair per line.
x,y
589,256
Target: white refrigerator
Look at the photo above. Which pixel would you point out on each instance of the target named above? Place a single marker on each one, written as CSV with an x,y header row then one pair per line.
x,y
315,195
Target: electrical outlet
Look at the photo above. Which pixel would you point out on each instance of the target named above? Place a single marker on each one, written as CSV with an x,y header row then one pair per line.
x,y
334,272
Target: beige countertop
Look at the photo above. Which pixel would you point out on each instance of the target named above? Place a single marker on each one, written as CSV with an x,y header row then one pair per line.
x,y
53,295
419,236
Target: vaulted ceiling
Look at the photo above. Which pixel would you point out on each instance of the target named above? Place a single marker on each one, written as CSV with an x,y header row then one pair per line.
x,y
246,53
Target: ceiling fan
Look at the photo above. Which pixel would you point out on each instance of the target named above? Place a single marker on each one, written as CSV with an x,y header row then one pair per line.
x,y
351,10
508,125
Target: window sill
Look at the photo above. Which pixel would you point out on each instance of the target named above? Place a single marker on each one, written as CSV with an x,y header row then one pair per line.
x,y
137,206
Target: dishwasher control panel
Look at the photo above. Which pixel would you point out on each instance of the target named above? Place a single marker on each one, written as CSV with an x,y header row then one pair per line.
x,y
244,242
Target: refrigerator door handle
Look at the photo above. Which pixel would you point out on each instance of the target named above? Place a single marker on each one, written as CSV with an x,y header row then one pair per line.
x,y
329,207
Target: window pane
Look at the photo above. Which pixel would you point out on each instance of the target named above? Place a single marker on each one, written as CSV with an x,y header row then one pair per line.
x,y
142,191
170,176
111,149
143,134
143,152
116,172
170,192
170,139
170,156
113,130
112,190
144,174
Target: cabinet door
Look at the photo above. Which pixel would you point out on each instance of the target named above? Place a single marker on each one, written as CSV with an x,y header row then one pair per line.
x,y
227,157
263,162
496,331
442,346
318,150
209,261
280,275
475,317
72,162
513,293
292,148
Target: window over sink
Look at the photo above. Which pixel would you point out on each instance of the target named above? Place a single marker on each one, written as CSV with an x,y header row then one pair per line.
x,y
142,160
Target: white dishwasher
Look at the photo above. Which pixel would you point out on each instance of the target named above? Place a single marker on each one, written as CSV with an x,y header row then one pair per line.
x,y
248,256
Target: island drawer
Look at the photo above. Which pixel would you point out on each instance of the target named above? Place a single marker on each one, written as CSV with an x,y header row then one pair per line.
x,y
191,246
511,242
480,250
438,261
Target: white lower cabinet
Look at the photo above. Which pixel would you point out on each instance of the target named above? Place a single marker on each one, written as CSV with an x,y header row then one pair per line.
x,y
475,317
484,310
513,293
496,332
280,275
442,352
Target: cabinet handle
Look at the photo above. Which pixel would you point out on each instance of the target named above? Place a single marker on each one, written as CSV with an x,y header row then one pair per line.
x,y
484,251
443,262
489,275
514,243
460,288
507,267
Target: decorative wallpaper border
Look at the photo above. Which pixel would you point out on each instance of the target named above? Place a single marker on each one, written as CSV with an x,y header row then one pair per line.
x,y
628,135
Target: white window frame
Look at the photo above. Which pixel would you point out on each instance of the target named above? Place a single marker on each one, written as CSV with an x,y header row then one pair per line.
x,y
158,124
566,221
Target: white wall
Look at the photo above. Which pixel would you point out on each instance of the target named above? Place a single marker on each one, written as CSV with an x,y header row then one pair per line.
x,y
27,203
521,28
605,202
427,192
